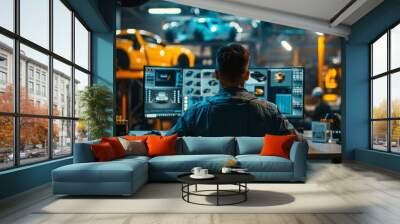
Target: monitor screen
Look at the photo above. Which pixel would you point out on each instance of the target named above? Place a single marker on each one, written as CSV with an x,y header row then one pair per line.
x,y
162,92
198,84
171,91
282,86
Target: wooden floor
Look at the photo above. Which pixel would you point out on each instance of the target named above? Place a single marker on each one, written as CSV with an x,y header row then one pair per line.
x,y
378,189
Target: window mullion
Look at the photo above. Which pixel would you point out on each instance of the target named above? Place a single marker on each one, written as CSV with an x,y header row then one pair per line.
x,y
389,101
73,82
16,85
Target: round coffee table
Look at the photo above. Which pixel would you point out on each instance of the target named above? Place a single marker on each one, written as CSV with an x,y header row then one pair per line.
x,y
238,179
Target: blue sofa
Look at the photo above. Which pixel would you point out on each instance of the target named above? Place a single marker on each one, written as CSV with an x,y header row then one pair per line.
x,y
125,176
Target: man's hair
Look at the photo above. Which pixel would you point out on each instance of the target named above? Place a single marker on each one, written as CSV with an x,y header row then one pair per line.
x,y
232,62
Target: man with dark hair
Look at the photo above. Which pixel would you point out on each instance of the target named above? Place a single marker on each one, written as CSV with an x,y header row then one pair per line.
x,y
233,111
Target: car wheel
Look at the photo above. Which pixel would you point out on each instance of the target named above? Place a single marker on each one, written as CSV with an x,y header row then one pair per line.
x,y
198,36
232,35
183,61
122,60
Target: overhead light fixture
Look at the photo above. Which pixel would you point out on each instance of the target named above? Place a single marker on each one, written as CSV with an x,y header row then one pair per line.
x,y
286,45
319,33
164,11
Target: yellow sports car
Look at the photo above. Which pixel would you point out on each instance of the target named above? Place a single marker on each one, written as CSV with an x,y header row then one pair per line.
x,y
137,48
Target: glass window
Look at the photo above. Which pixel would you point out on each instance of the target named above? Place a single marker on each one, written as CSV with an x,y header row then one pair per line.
x,y
43,90
395,47
30,71
81,45
6,142
37,89
62,29
395,136
40,62
379,56
6,73
150,39
395,95
62,138
61,71
379,135
3,61
30,87
7,14
385,139
379,98
35,21
34,79
33,140
81,131
81,82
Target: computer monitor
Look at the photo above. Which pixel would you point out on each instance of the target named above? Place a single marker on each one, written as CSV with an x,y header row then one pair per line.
x,y
282,86
162,92
171,91
198,85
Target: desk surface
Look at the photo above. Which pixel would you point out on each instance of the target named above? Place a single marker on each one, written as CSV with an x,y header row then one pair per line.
x,y
323,148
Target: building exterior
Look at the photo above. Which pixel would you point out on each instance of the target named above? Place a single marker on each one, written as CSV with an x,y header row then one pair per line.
x,y
34,80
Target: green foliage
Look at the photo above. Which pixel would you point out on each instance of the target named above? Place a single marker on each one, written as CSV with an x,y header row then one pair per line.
x,y
96,104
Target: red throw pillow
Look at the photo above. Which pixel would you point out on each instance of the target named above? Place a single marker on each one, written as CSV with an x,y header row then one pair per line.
x,y
116,145
136,138
161,145
277,145
103,152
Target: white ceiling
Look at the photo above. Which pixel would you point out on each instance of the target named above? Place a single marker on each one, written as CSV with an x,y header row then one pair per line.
x,y
314,15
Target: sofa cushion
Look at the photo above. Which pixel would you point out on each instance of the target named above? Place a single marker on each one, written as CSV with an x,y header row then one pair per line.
x,y
83,152
135,147
161,145
249,145
277,145
117,146
185,163
257,163
103,152
208,145
112,171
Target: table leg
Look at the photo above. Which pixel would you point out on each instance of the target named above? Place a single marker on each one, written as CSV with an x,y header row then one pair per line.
x,y
245,193
217,194
188,189
196,187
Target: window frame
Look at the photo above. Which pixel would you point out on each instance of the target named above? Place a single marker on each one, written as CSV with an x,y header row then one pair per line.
x,y
388,74
16,115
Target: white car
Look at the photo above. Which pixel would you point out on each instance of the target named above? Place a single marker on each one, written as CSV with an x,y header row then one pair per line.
x,y
162,97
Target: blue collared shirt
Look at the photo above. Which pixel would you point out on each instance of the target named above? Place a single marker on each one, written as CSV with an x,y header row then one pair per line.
x,y
232,112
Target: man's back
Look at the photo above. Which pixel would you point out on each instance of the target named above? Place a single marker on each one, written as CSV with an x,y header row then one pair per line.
x,y
233,112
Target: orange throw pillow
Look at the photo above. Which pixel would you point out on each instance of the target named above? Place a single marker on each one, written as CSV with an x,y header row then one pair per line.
x,y
277,145
116,145
103,152
161,145
136,138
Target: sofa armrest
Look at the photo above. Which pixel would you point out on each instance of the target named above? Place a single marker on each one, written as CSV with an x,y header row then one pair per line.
x,y
83,152
298,155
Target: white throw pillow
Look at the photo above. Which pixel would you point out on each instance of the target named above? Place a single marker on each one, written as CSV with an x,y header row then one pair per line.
x,y
136,147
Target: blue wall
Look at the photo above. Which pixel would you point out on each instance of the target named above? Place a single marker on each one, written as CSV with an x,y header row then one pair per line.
x,y
356,84
99,15
24,178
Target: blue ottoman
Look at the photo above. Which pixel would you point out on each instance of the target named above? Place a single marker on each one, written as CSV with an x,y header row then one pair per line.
x,y
118,177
